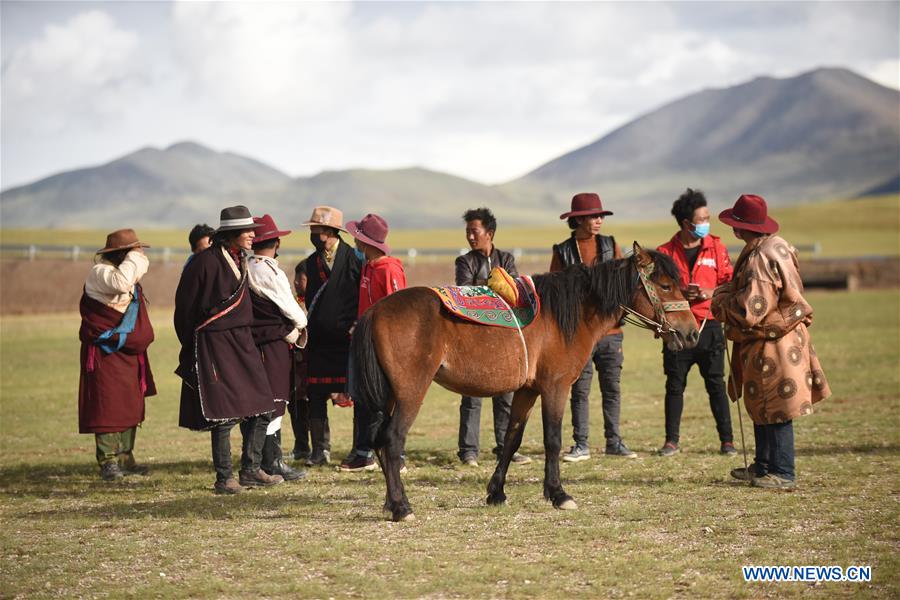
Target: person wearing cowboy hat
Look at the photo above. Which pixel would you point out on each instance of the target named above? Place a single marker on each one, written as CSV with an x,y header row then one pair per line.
x,y
332,292
219,364
587,246
115,369
278,326
381,276
773,366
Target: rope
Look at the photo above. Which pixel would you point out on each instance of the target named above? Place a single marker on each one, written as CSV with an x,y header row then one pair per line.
x,y
740,415
521,335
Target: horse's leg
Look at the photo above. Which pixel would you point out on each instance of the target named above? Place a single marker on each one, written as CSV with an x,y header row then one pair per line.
x,y
386,508
552,408
523,402
406,408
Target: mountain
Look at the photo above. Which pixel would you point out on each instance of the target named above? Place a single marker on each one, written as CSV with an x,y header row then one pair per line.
x,y
188,183
151,186
825,133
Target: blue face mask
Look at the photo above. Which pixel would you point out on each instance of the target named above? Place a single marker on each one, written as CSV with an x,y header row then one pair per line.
x,y
700,230
362,257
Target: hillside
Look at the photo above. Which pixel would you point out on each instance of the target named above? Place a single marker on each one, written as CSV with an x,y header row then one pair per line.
x,y
826,133
823,134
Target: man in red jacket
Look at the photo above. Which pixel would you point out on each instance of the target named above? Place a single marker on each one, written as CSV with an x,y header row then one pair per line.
x,y
704,265
381,276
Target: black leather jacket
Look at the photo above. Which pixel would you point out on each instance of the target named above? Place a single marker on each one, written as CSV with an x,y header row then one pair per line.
x,y
473,267
568,250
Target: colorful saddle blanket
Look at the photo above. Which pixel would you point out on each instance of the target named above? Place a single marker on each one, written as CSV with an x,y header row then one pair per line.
x,y
480,304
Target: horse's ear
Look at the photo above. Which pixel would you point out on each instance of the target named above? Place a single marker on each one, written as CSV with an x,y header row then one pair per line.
x,y
641,256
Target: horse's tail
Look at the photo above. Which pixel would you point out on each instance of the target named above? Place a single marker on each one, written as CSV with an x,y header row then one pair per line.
x,y
371,387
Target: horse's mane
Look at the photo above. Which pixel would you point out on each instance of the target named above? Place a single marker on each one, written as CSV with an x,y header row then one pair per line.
x,y
606,285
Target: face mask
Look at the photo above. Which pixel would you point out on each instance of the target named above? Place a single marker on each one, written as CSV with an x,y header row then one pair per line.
x,y
359,254
317,242
700,230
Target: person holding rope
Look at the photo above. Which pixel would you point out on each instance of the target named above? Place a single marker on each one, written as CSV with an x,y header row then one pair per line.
x,y
703,262
115,370
587,246
774,366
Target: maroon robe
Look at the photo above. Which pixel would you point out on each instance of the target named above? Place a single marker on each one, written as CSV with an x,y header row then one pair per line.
x,y
112,387
269,328
222,375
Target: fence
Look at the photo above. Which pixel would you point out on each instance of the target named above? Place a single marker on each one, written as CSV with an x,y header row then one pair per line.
x,y
167,255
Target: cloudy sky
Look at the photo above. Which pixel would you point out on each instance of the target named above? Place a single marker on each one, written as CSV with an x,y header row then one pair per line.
x,y
487,91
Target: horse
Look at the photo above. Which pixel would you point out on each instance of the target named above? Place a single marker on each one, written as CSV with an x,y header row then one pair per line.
x,y
407,340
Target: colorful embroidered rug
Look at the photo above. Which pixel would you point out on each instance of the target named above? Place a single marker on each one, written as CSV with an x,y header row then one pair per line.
x,y
480,304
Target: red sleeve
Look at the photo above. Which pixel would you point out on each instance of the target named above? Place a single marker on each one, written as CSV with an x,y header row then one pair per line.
x,y
724,268
397,279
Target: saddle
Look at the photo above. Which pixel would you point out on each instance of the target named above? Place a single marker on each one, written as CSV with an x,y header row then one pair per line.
x,y
504,302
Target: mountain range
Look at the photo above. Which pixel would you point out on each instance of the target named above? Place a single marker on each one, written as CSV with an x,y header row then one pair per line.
x,y
823,134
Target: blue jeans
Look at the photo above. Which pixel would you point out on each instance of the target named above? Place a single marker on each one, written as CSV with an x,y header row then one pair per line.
x,y
775,450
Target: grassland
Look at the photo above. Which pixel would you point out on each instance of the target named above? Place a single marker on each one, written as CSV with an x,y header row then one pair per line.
x,y
836,225
648,528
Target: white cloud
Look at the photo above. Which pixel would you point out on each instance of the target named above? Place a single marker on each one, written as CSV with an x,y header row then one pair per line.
x,y
483,90
264,63
85,68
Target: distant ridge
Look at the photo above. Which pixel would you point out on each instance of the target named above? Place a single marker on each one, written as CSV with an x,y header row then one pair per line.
x,y
823,134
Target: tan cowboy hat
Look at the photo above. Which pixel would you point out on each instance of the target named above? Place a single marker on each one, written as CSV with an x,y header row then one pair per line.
x,y
327,216
122,239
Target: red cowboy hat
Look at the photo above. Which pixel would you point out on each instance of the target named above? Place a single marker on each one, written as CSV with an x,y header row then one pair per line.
x,y
371,230
586,204
266,229
749,212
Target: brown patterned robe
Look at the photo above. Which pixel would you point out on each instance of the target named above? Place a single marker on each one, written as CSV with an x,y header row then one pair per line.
x,y
774,364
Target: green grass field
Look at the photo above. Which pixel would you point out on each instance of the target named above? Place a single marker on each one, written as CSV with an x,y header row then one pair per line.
x,y
648,528
843,228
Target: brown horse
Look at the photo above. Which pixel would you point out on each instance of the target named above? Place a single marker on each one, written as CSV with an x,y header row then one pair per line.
x,y
407,340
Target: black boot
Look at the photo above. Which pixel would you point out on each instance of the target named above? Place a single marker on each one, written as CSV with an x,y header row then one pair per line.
x,y
277,466
299,411
268,454
321,443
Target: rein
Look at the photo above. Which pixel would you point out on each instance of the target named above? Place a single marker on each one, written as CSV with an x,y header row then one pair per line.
x,y
661,325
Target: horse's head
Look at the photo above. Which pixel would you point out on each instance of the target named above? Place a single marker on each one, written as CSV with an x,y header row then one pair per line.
x,y
658,304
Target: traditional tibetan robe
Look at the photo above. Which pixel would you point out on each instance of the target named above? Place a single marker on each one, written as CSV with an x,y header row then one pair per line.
x,y
222,375
332,295
115,376
774,365
276,314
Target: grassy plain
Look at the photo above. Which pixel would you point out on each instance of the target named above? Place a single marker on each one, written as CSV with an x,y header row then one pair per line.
x,y
835,225
648,528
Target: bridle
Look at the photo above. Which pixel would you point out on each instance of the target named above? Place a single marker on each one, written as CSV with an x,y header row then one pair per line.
x,y
661,325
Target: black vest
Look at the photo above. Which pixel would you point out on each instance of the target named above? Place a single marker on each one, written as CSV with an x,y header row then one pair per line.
x,y
569,255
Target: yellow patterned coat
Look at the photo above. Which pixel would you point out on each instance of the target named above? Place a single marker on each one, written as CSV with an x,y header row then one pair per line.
x,y
774,365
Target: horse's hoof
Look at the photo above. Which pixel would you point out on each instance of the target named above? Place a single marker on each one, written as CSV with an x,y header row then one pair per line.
x,y
407,518
567,504
496,500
